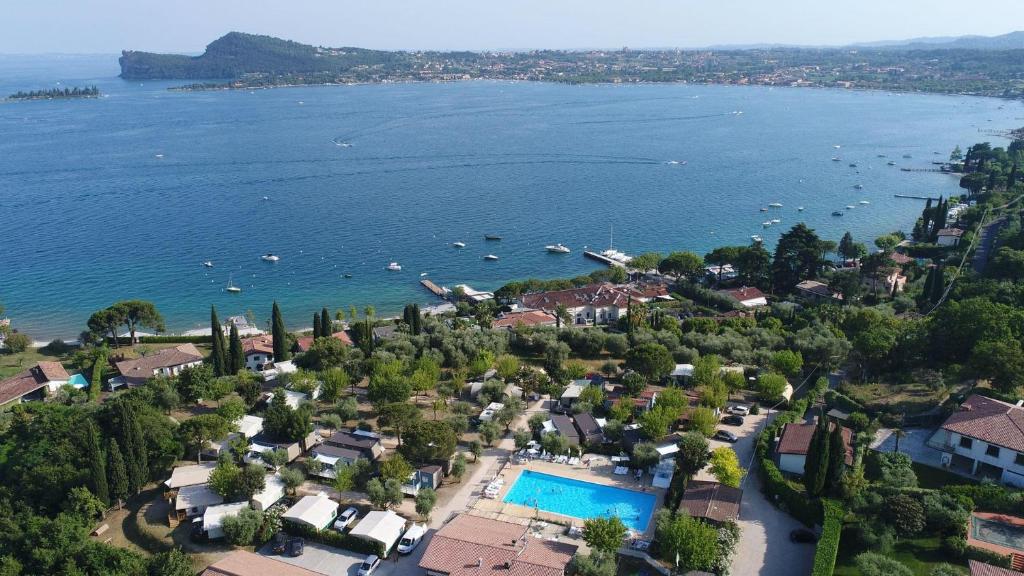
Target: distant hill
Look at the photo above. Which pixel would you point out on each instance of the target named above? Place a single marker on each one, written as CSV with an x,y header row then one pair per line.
x,y
1011,41
236,54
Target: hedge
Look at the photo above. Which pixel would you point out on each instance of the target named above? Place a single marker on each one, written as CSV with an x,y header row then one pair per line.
x,y
828,544
987,556
789,499
334,538
989,497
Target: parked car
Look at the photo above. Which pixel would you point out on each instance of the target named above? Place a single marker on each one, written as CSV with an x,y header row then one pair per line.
x,y
733,420
739,410
411,539
280,543
803,536
345,519
296,546
369,565
197,534
726,436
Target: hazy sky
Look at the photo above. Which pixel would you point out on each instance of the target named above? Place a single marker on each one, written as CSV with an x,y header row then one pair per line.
x,y
105,26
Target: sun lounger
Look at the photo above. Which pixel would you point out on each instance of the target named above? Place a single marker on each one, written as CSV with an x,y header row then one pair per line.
x,y
621,470
574,461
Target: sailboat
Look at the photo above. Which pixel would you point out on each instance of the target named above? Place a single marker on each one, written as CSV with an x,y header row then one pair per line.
x,y
231,286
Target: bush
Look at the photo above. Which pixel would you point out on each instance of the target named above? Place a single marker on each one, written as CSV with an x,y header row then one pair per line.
x,y
987,556
872,564
790,499
954,546
828,545
241,530
18,342
988,497
334,538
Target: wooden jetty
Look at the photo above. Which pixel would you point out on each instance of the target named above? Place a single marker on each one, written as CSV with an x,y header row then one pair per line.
x,y
603,259
436,290
914,197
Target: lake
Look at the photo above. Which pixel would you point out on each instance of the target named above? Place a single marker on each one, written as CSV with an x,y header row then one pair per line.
x,y
126,195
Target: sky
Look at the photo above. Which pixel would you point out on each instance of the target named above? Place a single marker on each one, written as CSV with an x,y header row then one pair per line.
x,y
186,26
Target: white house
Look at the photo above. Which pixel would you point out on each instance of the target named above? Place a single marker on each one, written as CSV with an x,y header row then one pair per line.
x,y
316,511
746,296
949,236
194,500
384,527
273,491
214,516
791,450
593,304
333,458
985,437
258,351
167,362
29,385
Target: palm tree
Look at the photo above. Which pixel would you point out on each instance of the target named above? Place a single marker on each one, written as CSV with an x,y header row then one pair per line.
x,y
561,314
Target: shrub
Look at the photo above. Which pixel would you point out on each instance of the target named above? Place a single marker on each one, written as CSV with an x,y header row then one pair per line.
x,y
872,564
828,545
790,499
987,556
334,538
955,546
241,530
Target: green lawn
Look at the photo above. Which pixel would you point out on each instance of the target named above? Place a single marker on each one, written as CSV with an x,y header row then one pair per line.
x,y
11,364
921,555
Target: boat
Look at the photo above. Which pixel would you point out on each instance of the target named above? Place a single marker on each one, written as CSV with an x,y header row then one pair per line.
x,y
231,287
836,146
775,221
864,202
891,163
764,209
850,206
837,213
268,257
490,257
907,156
208,264
492,237
755,238
394,267
799,208
422,274
881,156
835,158
346,275
766,223
775,205
459,244
853,164
558,248
858,186
158,156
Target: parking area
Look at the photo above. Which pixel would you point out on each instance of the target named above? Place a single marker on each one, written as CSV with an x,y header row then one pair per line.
x,y
337,562
744,447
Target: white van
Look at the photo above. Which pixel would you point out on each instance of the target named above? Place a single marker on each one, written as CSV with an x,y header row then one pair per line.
x,y
411,539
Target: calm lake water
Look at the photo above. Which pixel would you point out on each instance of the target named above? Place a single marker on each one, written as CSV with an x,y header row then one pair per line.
x,y
91,214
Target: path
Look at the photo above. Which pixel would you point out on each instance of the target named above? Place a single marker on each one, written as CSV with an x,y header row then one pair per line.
x,y
986,241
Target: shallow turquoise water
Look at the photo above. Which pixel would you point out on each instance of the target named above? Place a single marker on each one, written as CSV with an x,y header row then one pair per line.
x,y
91,214
581,499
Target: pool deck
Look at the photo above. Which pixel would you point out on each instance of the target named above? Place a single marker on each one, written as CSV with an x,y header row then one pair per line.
x,y
1002,519
599,472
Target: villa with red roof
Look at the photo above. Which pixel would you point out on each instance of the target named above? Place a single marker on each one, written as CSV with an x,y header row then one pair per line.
x,y
30,384
510,320
593,304
258,351
746,296
984,437
795,441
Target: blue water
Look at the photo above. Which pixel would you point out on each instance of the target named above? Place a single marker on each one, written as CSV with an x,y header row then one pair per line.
x,y
78,381
581,499
91,215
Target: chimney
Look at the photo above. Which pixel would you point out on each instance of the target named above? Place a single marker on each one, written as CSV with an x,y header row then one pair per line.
x,y
1020,403
479,562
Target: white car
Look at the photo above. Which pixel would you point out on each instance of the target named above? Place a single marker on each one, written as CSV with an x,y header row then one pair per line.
x,y
345,519
369,566
739,410
411,539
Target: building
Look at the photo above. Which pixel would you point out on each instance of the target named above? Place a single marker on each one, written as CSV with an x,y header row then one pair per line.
x,y
34,383
564,426
366,443
258,352
746,297
423,477
682,373
316,512
333,458
383,527
191,501
949,236
711,501
190,475
261,443
570,395
815,290
474,546
589,429
984,437
305,342
510,320
167,362
273,491
490,412
983,569
794,442
243,563
214,515
593,304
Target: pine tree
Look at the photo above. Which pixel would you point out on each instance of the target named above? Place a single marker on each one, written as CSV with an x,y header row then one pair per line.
x,y
326,328
124,432
236,356
816,464
316,325
926,219
938,286
217,356
97,463
116,469
281,352
417,320
837,458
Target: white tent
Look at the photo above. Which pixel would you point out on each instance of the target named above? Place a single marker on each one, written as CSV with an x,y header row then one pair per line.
x,y
383,527
215,515
273,490
316,511
190,475
250,425
195,499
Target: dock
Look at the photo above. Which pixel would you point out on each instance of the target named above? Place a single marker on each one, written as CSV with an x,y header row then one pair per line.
x,y
436,290
603,259
914,197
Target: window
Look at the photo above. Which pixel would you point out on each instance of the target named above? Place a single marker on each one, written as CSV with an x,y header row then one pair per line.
x,y
992,451
966,442
1019,459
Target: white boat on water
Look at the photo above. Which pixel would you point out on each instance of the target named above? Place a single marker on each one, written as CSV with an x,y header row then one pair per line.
x,y
208,264
850,206
268,257
490,257
865,202
799,208
775,221
835,158
459,244
755,238
775,205
557,248
766,223
231,286
394,267
422,274
858,186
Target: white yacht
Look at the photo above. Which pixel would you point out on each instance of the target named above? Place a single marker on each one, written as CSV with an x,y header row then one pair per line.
x,y
394,267
775,205
864,202
490,257
231,286
558,249
208,264
799,208
459,244
766,223
268,257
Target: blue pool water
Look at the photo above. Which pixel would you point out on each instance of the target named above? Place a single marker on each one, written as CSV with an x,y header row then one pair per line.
x,y
581,499
78,381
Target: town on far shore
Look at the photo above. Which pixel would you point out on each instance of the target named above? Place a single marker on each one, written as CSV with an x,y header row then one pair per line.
x,y
835,406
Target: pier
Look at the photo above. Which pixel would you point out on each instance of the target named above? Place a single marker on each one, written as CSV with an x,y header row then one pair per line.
x,y
603,259
915,197
436,290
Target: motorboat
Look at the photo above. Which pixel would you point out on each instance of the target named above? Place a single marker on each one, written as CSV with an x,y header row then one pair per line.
x,y
394,267
775,205
891,163
850,206
858,186
346,275
764,209
490,257
835,158
799,208
865,202
492,237
459,244
208,264
268,257
907,156
766,223
853,164
837,213
558,249
775,221
755,238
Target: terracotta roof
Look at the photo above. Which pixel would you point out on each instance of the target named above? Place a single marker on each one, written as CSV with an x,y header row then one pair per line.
x,y
743,294
950,232
648,291
306,341
31,380
990,421
598,295
527,318
982,569
711,500
52,371
796,439
258,345
138,370
900,258
472,545
242,563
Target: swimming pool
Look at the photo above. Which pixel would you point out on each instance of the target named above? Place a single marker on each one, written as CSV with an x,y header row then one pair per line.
x,y
999,533
581,499
78,381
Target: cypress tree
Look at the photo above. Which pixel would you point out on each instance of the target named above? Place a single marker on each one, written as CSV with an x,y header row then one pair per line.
x,y
926,218
236,357
1012,178
895,287
217,356
417,320
141,455
316,325
118,474
97,463
817,462
132,466
281,352
326,328
938,286
929,282
837,458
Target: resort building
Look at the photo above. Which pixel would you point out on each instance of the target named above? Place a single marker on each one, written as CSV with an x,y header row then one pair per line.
x,y
746,297
243,563
563,426
423,477
367,444
949,236
510,320
305,342
258,352
273,490
167,362
589,429
316,512
985,437
711,501
791,451
33,384
333,458
214,516
192,501
593,304
190,475
474,546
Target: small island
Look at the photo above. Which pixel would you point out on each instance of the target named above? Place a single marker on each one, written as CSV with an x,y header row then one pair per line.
x,y
57,93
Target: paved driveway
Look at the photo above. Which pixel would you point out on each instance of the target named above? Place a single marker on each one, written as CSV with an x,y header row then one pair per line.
x,y
322,559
